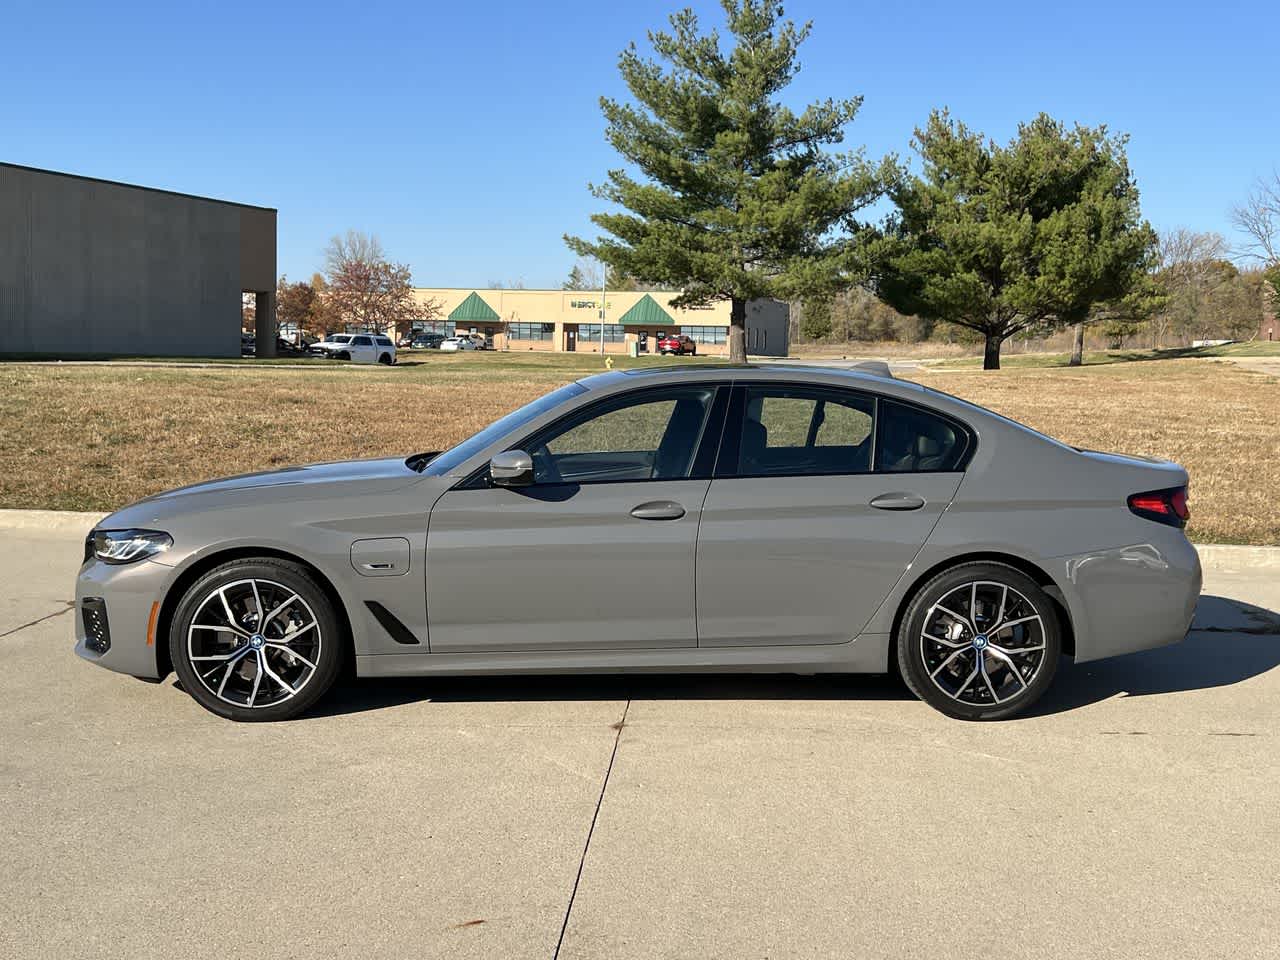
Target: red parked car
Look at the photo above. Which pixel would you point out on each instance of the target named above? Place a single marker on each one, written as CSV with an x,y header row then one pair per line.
x,y
677,343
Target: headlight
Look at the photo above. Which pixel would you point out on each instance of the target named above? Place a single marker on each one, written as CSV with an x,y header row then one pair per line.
x,y
126,546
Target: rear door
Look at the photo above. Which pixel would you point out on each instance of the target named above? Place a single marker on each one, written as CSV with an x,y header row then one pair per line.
x,y
822,498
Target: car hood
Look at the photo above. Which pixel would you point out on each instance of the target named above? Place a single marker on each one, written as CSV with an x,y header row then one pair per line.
x,y
351,478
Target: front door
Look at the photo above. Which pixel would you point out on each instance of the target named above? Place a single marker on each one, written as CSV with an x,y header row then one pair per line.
x,y
598,552
827,498
571,340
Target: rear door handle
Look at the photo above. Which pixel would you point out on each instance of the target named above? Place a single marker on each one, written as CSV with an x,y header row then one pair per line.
x,y
658,510
898,501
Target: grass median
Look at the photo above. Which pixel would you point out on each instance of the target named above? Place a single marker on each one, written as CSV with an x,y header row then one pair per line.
x,y
95,437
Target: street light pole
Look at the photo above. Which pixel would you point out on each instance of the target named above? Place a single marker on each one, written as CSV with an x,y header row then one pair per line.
x,y
604,283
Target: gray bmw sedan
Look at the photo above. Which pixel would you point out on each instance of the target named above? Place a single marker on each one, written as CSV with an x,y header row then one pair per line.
x,y
716,519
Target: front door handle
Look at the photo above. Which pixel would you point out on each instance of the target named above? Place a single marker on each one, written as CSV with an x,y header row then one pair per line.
x,y
658,510
898,501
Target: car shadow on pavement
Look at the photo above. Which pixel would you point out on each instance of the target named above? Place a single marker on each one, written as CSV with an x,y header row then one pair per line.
x,y
357,695
1230,642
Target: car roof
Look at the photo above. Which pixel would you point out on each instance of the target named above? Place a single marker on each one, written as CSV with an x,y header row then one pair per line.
x,y
867,373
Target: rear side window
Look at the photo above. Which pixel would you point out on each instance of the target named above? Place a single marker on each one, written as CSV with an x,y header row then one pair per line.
x,y
383,341
910,440
793,432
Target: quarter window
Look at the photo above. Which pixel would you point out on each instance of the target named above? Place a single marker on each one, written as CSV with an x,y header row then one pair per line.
x,y
910,440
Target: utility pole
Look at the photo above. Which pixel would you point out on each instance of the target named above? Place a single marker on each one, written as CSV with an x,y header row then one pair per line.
x,y
604,284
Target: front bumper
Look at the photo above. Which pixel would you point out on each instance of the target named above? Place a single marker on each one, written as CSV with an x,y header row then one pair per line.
x,y
127,593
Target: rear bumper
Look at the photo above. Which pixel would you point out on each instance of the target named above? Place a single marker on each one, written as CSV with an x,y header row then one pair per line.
x,y
1130,598
127,592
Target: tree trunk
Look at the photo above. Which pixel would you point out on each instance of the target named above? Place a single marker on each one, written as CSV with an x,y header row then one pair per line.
x,y
737,331
991,355
1077,346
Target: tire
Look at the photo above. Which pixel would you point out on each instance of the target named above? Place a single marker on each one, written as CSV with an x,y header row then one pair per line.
x,y
308,664
343,355
967,670
385,359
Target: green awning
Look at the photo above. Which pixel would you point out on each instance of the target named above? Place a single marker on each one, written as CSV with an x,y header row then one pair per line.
x,y
647,313
473,310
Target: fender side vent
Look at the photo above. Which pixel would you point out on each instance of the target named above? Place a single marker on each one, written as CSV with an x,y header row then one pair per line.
x,y
397,630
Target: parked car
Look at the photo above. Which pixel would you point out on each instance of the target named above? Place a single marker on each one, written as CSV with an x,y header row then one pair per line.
x,y
454,344
248,345
332,344
678,344
287,348
427,341
790,520
358,348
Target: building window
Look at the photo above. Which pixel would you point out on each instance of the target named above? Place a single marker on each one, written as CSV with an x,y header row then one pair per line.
x,y
590,333
708,335
445,328
531,331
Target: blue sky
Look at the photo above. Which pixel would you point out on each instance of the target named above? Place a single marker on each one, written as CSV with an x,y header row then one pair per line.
x,y
464,134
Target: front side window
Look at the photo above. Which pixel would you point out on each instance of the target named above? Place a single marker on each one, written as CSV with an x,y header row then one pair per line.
x,y
651,437
451,459
798,431
911,440
362,342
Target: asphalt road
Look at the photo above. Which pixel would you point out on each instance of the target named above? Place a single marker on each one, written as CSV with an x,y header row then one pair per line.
x,y
1136,814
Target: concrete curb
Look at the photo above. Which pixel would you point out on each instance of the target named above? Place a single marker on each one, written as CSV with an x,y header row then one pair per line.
x,y
1219,557
52,521
1226,557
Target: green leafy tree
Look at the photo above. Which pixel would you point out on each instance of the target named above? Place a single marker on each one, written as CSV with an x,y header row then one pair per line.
x,y
999,239
729,194
575,280
815,318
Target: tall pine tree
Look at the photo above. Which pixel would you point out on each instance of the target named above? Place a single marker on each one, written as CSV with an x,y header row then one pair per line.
x,y
999,239
730,194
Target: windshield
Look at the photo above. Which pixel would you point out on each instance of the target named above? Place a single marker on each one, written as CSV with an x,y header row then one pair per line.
x,y
452,458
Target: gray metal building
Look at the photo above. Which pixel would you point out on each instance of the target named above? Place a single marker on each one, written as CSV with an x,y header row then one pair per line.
x,y
97,267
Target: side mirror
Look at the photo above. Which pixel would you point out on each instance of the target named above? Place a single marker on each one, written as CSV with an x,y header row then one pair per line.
x,y
511,468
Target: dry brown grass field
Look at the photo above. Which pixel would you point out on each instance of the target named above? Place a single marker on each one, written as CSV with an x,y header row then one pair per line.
x,y
95,437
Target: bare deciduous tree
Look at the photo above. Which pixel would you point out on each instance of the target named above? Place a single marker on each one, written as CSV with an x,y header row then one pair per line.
x,y
1259,218
365,290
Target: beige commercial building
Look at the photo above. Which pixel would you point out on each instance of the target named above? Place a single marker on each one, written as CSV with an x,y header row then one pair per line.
x,y
575,320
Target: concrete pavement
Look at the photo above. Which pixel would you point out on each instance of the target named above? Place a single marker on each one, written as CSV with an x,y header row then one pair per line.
x,y
1134,814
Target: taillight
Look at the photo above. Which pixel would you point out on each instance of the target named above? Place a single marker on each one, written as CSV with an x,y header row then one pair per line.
x,y
1163,506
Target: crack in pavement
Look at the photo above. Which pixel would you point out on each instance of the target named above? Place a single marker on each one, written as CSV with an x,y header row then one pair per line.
x,y
70,605
618,727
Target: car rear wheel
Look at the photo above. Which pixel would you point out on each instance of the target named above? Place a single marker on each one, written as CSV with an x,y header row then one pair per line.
x,y
385,359
256,639
980,641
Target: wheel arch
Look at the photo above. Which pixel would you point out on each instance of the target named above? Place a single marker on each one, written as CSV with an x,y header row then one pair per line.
x,y
184,580
1021,564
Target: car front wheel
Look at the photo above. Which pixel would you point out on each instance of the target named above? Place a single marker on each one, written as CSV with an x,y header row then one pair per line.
x,y
980,641
256,639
